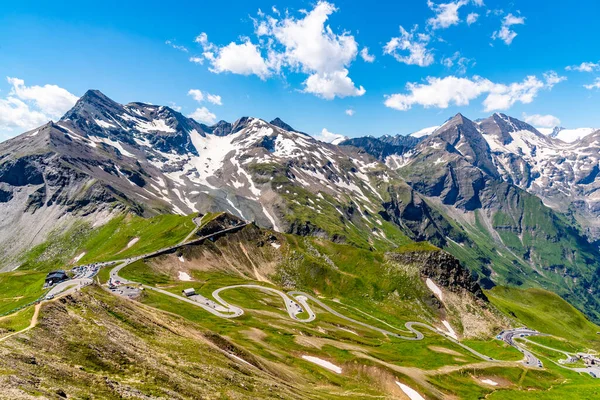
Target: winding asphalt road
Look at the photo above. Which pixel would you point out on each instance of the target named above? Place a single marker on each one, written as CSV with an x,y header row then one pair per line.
x,y
296,302
73,285
529,359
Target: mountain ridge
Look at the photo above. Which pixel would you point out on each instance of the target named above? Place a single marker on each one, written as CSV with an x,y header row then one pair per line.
x,y
104,158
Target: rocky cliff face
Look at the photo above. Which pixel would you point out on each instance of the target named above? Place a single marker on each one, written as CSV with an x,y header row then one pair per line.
x,y
442,268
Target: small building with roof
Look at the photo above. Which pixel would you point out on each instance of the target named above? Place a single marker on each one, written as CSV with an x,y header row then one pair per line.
x,y
55,277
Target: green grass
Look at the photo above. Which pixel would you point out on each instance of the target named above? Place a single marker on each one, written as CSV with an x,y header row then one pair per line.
x,y
558,343
18,288
465,383
416,247
546,312
140,272
496,349
109,242
104,274
18,321
556,383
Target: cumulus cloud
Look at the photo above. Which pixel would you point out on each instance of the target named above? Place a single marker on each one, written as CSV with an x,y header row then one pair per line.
x,y
595,85
238,58
542,121
472,18
330,85
410,48
446,14
452,90
203,115
364,53
306,45
27,107
214,98
196,95
329,137
197,60
506,34
350,112
584,67
200,96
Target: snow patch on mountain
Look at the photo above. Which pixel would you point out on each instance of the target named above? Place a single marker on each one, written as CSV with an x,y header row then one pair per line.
x,y
424,132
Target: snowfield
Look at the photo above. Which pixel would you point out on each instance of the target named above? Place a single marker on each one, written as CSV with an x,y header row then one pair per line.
x,y
410,392
323,363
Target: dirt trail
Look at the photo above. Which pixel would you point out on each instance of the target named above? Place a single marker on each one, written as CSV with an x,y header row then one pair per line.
x,y
32,324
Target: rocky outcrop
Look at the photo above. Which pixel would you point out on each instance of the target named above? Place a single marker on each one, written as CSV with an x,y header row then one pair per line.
x,y
221,222
382,148
442,268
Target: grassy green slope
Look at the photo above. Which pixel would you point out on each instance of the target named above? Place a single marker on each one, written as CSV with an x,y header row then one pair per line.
x,y
19,288
109,241
547,312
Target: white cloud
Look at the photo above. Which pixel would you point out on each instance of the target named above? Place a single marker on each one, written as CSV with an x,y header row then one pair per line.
x,y
584,67
446,14
452,90
311,45
174,106
552,78
414,43
458,62
472,18
202,39
200,96
16,114
197,60
215,99
196,94
350,112
439,92
595,85
542,121
506,34
176,46
49,99
242,59
330,85
364,53
203,115
27,107
329,137
304,45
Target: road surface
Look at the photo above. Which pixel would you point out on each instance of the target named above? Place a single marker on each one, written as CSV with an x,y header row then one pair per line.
x,y
592,370
295,302
509,335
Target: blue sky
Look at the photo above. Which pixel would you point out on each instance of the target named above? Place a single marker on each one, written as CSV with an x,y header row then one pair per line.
x,y
303,61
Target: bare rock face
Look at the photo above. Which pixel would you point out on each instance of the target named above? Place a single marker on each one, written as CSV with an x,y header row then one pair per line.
x,y
221,222
443,269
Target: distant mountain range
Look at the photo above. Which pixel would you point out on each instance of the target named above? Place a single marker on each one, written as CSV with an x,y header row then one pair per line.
x,y
516,206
